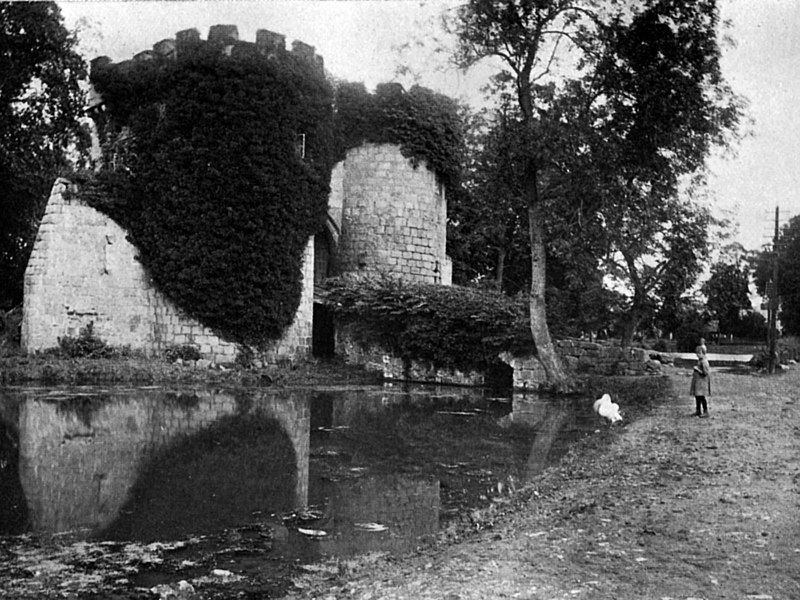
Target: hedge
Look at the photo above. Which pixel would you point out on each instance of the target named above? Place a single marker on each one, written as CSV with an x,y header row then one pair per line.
x,y
451,326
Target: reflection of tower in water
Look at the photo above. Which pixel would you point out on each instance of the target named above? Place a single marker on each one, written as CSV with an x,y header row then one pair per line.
x,y
405,507
81,455
13,508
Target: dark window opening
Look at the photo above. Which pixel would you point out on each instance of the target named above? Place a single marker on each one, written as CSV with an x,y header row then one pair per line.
x,y
499,376
323,339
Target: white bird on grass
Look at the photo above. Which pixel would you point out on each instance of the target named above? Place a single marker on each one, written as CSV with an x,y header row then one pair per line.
x,y
604,407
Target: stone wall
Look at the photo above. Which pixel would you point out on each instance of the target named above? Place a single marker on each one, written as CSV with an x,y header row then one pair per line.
x,y
578,356
392,216
83,270
375,358
583,357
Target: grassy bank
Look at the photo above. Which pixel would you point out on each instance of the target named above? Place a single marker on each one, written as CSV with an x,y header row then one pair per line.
x,y
668,506
55,370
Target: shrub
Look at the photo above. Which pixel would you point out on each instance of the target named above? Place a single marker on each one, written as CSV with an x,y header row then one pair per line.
x,y
245,357
10,330
451,326
182,352
86,345
689,332
661,346
752,326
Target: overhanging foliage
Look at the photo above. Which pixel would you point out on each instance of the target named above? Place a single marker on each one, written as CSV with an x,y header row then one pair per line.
x,y
425,125
451,326
40,103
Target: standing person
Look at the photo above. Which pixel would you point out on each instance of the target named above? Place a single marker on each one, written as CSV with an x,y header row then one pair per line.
x,y
701,382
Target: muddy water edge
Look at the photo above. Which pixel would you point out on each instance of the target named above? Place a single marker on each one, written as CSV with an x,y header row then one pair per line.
x,y
120,492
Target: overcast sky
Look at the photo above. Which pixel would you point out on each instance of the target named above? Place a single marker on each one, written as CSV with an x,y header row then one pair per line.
x,y
357,40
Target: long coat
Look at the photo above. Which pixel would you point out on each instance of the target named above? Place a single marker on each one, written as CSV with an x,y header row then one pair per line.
x,y
701,379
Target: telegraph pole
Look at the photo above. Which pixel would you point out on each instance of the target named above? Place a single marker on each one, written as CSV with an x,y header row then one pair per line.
x,y
773,303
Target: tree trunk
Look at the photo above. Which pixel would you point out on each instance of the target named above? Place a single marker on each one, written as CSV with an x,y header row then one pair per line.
x,y
634,317
545,349
632,321
501,266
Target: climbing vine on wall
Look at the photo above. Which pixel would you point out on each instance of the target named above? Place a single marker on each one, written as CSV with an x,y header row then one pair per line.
x,y
451,326
201,167
426,125
204,171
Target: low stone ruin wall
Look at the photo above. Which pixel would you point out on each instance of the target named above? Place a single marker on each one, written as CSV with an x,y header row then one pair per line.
x,y
578,356
583,357
376,358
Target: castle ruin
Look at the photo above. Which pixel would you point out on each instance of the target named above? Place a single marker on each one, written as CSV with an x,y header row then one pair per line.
x,y
385,216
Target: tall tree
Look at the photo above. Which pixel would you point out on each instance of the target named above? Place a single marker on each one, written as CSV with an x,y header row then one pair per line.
x,y
486,225
788,284
637,107
728,293
666,106
40,103
524,36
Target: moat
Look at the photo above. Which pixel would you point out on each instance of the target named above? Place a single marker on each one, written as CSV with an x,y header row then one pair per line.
x,y
246,478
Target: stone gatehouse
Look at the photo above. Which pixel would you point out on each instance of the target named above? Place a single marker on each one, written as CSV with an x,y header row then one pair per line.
x,y
386,216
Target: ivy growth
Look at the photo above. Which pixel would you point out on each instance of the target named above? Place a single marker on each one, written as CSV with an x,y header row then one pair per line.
x,y
451,326
426,125
202,169
204,173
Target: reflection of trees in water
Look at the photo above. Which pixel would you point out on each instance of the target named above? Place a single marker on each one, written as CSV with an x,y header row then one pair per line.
x,y
546,433
419,434
214,479
13,507
558,423
456,438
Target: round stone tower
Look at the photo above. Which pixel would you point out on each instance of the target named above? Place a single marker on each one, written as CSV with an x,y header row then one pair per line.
x,y
392,216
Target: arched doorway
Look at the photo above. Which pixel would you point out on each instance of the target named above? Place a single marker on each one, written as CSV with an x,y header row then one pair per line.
x,y
323,334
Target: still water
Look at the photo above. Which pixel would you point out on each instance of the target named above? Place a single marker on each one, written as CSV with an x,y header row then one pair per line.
x,y
318,472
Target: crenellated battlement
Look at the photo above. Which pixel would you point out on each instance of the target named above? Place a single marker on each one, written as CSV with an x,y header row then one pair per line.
x,y
226,39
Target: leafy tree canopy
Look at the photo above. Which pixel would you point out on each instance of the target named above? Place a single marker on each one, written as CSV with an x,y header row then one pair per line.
x,y
609,143
40,102
728,293
788,284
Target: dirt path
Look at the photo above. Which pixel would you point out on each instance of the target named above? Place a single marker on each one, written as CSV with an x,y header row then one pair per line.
x,y
672,507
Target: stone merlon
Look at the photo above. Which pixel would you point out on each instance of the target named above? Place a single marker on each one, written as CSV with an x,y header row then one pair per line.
x,y
165,49
223,34
187,38
268,43
303,49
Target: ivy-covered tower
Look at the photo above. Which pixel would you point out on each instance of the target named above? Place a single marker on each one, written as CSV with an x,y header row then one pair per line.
x,y
240,178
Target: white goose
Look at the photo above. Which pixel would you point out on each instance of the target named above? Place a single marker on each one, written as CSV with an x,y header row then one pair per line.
x,y
604,407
